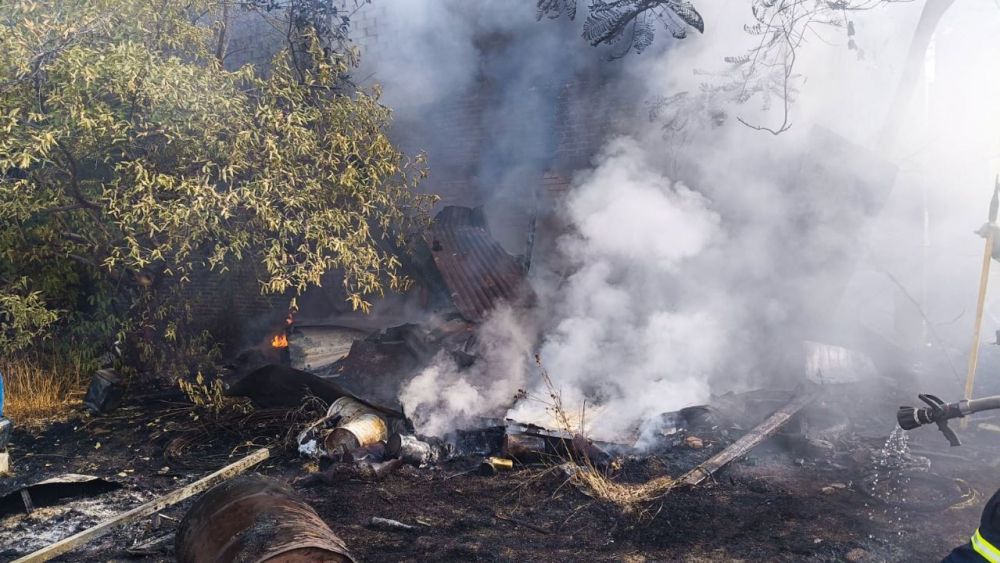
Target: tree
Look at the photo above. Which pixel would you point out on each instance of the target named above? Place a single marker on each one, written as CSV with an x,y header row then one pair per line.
x,y
628,23
130,160
765,72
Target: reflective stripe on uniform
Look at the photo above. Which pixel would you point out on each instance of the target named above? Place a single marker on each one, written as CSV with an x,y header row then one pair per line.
x,y
984,548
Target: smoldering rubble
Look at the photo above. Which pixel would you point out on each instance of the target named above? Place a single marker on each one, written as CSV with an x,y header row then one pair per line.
x,y
609,317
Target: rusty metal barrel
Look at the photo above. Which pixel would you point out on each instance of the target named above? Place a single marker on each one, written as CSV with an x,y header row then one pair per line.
x,y
362,430
348,408
254,519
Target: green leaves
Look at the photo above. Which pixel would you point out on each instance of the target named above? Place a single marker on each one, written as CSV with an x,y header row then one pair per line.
x,y
126,148
23,316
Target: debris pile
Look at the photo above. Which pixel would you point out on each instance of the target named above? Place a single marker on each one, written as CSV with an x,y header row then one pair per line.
x,y
355,428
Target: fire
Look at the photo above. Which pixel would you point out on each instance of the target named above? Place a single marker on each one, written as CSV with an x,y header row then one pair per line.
x,y
280,341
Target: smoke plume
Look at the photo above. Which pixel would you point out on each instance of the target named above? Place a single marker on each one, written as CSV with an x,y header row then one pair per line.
x,y
444,396
623,339
693,262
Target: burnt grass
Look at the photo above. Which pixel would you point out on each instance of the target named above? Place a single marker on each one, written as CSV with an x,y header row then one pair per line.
x,y
777,504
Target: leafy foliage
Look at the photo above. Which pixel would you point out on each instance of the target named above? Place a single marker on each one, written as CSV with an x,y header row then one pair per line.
x,y
209,399
556,8
628,23
23,316
130,159
323,20
764,73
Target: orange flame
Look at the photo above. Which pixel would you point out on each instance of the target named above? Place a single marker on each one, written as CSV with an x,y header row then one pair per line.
x,y
279,341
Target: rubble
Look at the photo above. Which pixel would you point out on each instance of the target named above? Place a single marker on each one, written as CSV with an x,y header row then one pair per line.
x,y
414,451
54,491
524,449
478,273
372,453
364,470
316,348
694,442
740,448
349,425
66,545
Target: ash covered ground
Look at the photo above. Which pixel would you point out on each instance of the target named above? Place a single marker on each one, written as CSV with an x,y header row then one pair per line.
x,y
786,501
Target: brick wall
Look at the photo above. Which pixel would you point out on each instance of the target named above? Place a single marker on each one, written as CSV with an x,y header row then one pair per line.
x,y
231,306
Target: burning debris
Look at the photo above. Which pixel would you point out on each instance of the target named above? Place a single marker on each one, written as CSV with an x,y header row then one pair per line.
x,y
279,341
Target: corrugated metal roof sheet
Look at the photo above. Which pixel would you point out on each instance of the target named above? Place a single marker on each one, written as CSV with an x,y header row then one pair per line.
x,y
479,273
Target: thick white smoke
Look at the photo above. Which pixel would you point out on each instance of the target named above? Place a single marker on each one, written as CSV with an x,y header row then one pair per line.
x,y
444,397
678,274
622,338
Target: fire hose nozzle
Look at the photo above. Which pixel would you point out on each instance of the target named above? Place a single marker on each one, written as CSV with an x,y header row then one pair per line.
x,y
936,411
911,417
939,412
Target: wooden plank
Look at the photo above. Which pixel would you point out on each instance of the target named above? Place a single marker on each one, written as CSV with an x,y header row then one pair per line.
x,y
984,280
748,441
151,507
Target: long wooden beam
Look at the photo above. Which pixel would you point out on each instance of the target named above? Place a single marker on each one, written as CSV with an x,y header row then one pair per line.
x,y
748,441
148,509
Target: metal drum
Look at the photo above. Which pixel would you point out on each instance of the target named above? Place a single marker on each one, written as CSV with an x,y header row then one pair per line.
x,y
254,519
363,430
347,409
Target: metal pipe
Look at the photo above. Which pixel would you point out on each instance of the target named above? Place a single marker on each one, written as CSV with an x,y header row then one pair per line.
x,y
984,404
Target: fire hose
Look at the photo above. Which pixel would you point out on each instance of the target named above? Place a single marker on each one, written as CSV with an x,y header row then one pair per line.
x,y
938,412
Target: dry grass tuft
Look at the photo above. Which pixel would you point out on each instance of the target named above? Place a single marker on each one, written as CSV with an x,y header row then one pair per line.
x,y
594,482
37,391
627,496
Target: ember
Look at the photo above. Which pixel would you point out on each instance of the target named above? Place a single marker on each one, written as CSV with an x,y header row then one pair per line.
x,y
279,341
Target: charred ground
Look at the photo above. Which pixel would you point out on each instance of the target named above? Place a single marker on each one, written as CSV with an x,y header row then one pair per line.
x,y
786,501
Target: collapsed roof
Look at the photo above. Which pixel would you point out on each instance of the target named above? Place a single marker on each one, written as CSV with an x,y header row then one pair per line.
x,y
478,273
